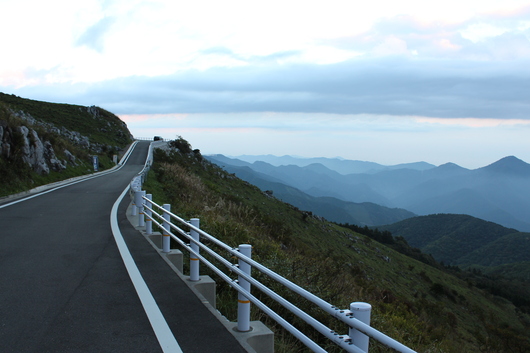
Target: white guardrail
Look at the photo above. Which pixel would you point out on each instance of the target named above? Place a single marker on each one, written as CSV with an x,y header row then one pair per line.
x,y
357,317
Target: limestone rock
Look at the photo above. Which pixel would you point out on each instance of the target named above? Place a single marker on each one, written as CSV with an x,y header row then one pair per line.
x,y
55,163
33,150
70,158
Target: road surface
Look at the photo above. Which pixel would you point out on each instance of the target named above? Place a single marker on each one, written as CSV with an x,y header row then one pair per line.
x,y
64,285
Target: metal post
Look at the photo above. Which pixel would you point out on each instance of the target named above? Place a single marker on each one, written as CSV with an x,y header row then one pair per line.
x,y
137,201
194,261
243,304
165,233
134,209
134,188
149,214
140,203
361,311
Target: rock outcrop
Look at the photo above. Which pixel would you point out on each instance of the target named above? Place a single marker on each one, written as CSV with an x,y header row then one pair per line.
x,y
33,150
51,137
25,143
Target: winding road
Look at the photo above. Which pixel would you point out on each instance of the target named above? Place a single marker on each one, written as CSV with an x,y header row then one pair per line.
x,y
65,286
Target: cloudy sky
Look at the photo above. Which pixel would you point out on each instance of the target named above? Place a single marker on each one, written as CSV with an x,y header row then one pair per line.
x,y
384,81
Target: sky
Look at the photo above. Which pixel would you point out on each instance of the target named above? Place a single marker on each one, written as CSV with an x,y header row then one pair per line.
x,y
383,81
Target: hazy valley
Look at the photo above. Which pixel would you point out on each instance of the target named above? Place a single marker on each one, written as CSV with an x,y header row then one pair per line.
x,y
499,192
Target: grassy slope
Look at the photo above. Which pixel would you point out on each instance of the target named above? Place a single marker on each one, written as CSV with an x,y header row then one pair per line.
x,y
426,309
107,129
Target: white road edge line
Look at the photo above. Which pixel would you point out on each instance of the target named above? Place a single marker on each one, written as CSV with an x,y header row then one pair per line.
x,y
163,333
66,183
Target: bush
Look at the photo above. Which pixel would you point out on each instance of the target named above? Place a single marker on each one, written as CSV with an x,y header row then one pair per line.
x,y
180,144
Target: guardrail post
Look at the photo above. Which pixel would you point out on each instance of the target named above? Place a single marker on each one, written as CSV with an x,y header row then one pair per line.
x,y
194,261
361,311
140,203
243,304
134,209
165,233
149,214
135,187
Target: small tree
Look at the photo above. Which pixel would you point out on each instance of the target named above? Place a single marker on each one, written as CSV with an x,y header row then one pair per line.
x,y
182,145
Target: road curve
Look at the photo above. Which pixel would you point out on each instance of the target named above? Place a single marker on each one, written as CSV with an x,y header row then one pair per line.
x,y
64,286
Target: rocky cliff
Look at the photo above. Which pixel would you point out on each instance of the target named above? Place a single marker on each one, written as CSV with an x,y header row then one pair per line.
x,y
24,141
46,138
38,155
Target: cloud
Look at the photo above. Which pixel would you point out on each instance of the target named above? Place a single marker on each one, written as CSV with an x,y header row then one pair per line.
x,y
389,86
506,46
94,36
478,35
476,122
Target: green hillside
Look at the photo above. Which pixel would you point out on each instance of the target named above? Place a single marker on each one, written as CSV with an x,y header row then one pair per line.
x,y
509,249
467,241
99,125
518,270
420,305
447,237
43,142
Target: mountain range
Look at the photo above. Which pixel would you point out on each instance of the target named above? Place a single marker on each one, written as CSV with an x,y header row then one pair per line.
x,y
332,208
499,192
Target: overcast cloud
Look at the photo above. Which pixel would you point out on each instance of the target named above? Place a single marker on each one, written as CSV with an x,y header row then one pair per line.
x,y
244,65
391,85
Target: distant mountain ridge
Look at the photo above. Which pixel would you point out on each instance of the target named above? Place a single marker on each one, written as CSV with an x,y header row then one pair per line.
x,y
342,166
331,208
510,165
499,192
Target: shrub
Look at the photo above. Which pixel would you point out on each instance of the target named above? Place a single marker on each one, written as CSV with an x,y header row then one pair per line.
x,y
180,144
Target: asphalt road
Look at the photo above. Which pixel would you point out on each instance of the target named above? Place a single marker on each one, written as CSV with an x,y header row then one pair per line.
x,y
64,286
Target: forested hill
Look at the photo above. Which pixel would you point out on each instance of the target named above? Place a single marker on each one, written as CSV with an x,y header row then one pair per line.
x,y
42,142
467,241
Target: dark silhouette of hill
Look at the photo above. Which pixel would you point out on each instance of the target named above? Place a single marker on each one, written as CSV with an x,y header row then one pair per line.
x,y
342,166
